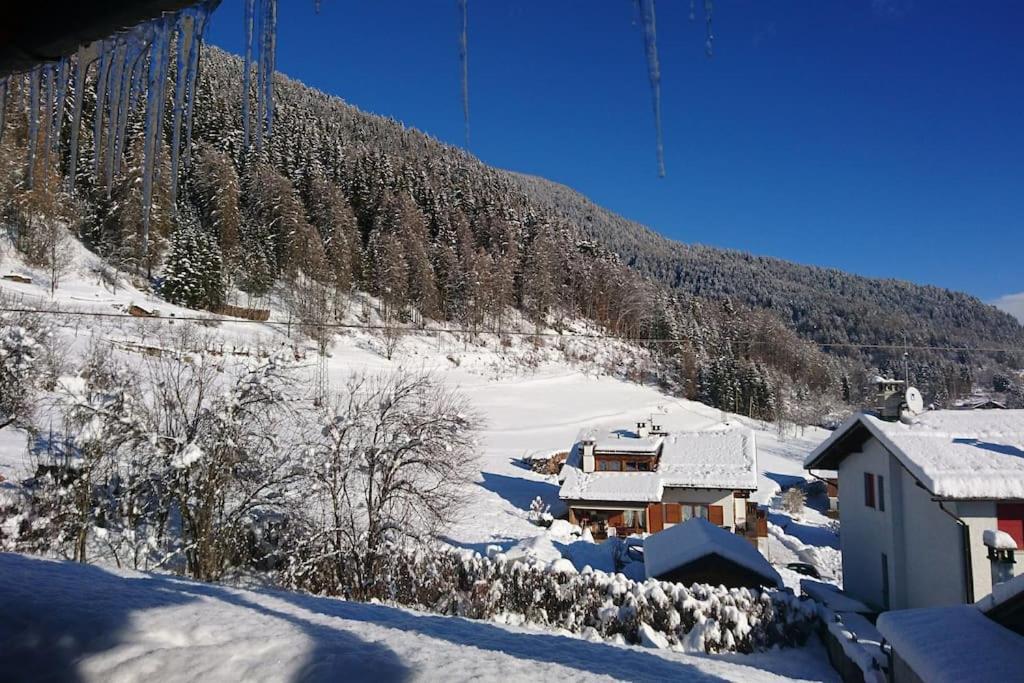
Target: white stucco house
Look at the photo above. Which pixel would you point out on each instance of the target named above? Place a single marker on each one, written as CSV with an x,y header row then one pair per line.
x,y
916,497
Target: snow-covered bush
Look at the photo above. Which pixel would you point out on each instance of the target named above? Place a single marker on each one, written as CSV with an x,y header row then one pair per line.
x,y
21,350
540,512
793,500
699,618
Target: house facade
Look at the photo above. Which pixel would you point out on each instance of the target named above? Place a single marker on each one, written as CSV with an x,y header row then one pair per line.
x,y
621,481
916,499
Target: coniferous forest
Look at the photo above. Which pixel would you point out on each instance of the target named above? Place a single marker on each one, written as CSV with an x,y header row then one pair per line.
x,y
337,200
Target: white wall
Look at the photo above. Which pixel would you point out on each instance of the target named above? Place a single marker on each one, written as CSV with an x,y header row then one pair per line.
x,y
865,533
923,543
932,573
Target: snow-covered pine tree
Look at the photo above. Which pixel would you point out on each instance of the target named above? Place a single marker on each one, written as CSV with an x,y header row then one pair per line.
x,y
193,274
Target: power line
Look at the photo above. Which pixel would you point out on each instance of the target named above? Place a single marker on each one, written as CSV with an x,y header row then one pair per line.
x,y
464,330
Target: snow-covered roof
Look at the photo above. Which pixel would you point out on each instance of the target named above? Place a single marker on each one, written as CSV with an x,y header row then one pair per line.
x,y
721,459
641,487
956,644
954,453
711,459
685,543
1002,593
624,443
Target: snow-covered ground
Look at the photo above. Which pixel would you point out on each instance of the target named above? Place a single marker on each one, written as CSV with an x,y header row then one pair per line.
x,y
533,395
63,621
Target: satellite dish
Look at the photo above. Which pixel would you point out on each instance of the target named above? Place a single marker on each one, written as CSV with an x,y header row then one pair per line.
x,y
914,401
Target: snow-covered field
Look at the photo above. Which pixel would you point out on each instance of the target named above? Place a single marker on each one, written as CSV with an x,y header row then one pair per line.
x,y
70,622
532,399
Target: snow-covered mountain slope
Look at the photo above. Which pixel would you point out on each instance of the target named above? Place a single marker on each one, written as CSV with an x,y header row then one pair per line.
x,y
534,395
64,621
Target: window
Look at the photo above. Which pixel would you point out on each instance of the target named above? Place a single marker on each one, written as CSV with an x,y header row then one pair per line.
x,y
869,490
609,465
637,466
881,492
691,511
1011,520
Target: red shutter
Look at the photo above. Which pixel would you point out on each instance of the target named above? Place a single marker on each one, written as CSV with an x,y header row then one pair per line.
x,y
716,515
1011,520
655,518
673,513
869,490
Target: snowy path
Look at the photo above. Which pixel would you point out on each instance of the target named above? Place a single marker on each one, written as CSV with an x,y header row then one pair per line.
x,y
65,621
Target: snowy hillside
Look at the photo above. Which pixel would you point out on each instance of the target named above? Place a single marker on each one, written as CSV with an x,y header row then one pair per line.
x,y
534,395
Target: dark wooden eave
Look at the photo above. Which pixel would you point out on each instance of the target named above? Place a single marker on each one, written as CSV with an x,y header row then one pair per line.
x,y
850,441
45,30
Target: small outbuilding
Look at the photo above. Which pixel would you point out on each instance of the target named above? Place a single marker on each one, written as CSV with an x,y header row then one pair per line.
x,y
697,551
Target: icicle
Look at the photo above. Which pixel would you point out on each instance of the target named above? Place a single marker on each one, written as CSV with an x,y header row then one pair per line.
x,y
134,61
46,112
3,106
33,124
114,104
101,98
250,18
270,42
63,74
202,18
464,63
654,74
186,27
709,43
154,100
84,58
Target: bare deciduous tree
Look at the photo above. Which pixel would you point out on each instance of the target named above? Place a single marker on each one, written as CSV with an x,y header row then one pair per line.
x,y
393,459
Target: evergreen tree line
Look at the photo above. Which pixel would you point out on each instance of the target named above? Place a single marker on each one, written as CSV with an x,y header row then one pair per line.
x,y
350,201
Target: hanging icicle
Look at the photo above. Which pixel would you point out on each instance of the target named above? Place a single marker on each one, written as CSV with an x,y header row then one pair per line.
x,y
186,28
3,106
270,42
63,73
101,99
647,14
158,55
709,40
250,29
114,106
193,77
464,62
33,124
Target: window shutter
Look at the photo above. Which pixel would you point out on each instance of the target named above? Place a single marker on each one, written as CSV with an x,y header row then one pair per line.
x,y
716,515
869,490
1011,520
881,492
673,513
655,517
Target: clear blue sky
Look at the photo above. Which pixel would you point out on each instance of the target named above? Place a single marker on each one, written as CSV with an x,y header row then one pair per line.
x,y
883,137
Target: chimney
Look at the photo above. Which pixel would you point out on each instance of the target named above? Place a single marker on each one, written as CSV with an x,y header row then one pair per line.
x,y
889,398
1001,549
643,429
587,446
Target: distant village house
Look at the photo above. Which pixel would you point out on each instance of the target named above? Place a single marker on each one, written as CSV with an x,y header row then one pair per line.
x,y
625,481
